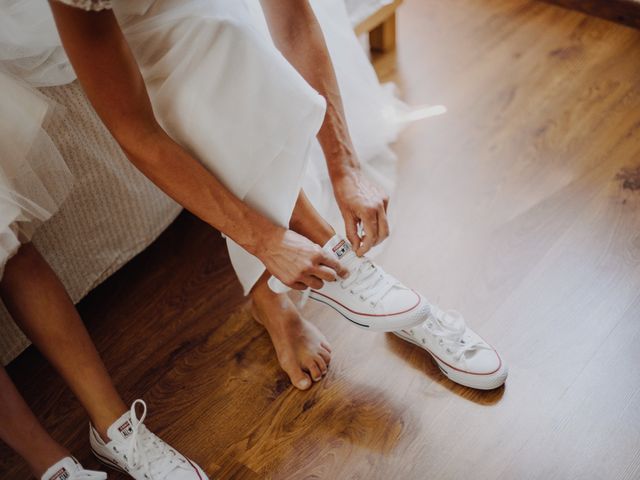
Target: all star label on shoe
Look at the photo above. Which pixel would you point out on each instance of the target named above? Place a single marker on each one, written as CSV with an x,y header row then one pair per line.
x,y
125,429
62,474
341,249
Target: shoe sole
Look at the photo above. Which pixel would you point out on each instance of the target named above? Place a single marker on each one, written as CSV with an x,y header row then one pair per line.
x,y
478,381
362,322
108,463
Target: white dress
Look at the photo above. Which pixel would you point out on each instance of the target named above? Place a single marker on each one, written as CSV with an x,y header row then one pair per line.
x,y
34,180
220,88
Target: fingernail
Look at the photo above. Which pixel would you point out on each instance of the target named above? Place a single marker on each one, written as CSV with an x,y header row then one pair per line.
x,y
304,383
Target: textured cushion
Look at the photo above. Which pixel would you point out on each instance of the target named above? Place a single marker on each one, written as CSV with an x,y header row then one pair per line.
x,y
112,213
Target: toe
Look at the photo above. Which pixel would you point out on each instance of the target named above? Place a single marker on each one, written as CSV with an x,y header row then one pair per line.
x,y
326,356
321,365
314,370
326,346
298,378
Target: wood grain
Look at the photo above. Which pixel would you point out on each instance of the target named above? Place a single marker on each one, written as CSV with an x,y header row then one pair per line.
x,y
518,207
622,11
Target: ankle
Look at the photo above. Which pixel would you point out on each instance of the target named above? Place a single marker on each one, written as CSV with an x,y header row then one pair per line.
x,y
103,421
318,234
43,459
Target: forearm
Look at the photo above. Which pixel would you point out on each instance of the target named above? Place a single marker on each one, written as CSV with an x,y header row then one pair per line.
x,y
297,34
112,81
185,180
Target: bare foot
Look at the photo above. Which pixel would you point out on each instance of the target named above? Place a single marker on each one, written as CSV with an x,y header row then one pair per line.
x,y
303,351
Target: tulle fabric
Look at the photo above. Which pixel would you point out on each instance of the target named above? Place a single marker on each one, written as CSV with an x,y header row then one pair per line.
x,y
34,179
30,47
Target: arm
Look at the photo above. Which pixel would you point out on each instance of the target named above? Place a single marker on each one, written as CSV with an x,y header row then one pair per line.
x,y
112,81
297,34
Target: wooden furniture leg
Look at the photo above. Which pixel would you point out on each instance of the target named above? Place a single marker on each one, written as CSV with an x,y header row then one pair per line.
x,y
383,37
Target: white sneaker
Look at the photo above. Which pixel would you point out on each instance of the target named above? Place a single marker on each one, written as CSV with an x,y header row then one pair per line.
x,y
461,354
370,298
136,451
70,469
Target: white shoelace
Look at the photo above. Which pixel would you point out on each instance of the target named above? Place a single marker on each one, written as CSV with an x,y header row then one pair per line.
x,y
367,280
449,327
148,451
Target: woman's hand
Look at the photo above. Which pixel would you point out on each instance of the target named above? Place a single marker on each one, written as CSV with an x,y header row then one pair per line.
x,y
363,203
298,262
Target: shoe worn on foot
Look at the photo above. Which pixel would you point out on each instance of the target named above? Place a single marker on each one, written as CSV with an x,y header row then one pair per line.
x,y
370,297
461,354
70,469
134,450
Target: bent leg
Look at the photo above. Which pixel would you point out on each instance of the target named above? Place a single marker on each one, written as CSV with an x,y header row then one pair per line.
x,y
52,323
307,221
20,429
303,351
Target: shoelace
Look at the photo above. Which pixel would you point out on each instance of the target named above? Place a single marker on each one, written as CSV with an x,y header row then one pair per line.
x,y
367,280
147,450
449,327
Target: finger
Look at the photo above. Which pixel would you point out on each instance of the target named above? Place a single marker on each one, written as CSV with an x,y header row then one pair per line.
x,y
313,282
325,273
351,228
298,286
334,264
383,225
370,224
326,346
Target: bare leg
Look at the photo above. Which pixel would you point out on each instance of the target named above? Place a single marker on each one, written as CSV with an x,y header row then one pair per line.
x,y
52,323
306,221
20,429
302,350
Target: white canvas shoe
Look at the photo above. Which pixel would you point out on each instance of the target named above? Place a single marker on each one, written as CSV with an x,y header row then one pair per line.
x,y
70,469
370,298
461,354
135,451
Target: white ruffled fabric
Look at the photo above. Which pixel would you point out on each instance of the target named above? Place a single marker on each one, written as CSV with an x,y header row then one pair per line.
x,y
34,179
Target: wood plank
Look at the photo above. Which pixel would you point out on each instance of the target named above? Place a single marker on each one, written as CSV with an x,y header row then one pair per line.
x,y
626,12
517,207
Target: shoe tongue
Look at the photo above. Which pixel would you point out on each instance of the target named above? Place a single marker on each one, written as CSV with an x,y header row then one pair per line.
x,y
62,469
339,247
121,429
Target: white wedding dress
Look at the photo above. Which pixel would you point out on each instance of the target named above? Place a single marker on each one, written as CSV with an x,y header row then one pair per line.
x,y
221,89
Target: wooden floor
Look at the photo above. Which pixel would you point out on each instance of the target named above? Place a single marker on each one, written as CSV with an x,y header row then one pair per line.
x,y
520,207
